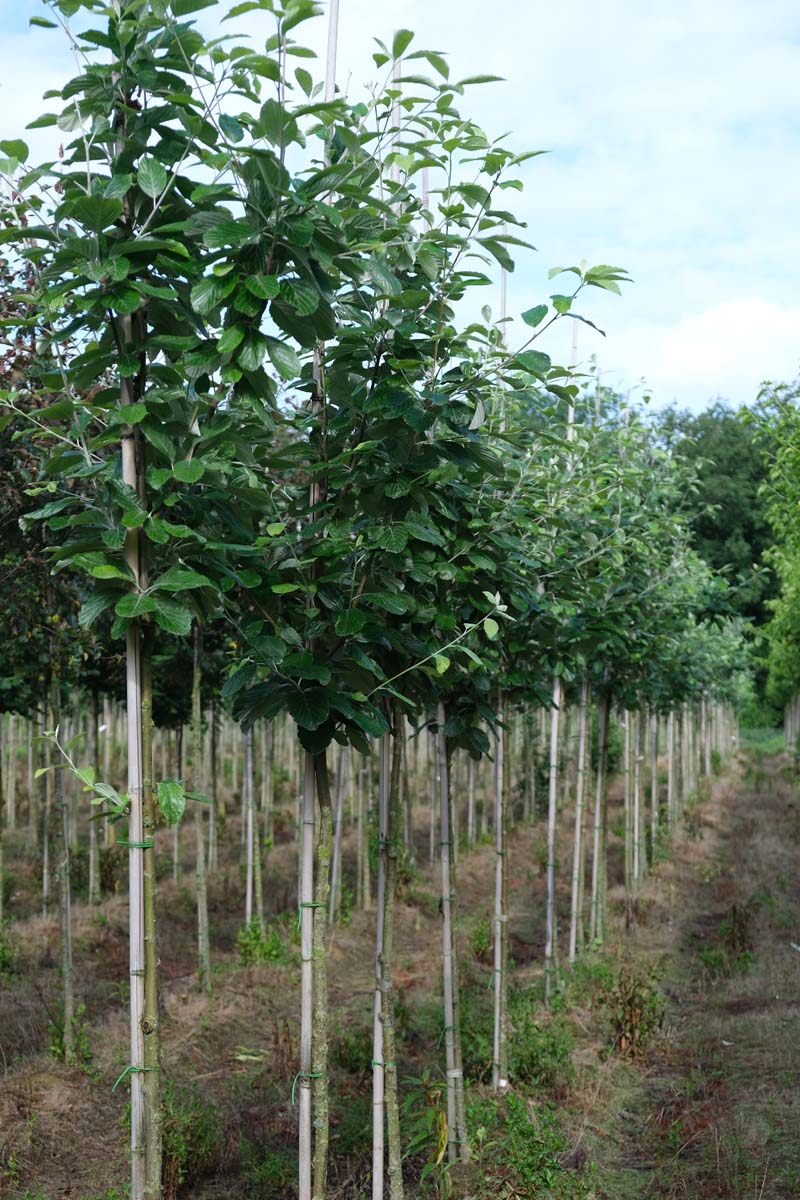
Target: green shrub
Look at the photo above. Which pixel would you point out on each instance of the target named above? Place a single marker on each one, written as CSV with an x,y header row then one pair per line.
x,y
481,939
257,944
540,1052
82,1054
191,1134
269,1172
9,886
519,1149
8,951
351,1050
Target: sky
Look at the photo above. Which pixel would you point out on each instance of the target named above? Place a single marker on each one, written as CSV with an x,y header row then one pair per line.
x,y
673,149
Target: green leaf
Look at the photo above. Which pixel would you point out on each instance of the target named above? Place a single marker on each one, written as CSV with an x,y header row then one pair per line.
x,y
393,538
310,708
134,605
179,579
93,607
108,571
42,23
151,177
535,316
442,663
104,791
173,617
350,621
97,212
534,361
491,628
265,287
188,470
171,800
401,41
283,358
302,296
231,338
386,282
562,304
283,589
15,148
230,126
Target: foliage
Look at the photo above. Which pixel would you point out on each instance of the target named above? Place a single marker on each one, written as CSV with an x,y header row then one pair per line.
x,y
540,1050
520,1148
635,1007
8,951
191,1131
258,944
81,1050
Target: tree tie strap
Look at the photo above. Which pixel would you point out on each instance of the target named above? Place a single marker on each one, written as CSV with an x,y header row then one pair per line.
x,y
446,1029
136,845
496,971
307,1075
133,1071
308,904
377,1063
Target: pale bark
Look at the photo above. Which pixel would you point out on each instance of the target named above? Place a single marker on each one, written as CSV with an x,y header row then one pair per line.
x,y
304,1077
597,911
203,940
319,1067
500,1041
577,848
550,930
395,1150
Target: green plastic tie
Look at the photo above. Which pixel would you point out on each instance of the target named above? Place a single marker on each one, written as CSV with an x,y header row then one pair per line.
x,y
308,904
445,1029
307,1075
136,845
377,1063
133,1071
496,971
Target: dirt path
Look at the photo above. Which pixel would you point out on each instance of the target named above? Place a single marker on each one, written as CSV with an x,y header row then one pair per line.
x,y
715,1114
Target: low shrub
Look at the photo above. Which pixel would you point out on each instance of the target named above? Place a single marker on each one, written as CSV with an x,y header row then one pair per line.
x,y
191,1132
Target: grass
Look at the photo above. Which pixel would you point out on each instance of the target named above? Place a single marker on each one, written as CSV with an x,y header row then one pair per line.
x,y
764,740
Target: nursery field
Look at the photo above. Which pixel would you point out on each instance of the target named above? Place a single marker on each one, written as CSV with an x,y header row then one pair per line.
x,y
666,1065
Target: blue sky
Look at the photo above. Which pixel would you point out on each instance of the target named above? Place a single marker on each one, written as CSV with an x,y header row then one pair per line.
x,y
673,134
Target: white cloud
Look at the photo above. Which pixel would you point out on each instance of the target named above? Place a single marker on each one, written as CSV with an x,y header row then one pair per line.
x,y
675,152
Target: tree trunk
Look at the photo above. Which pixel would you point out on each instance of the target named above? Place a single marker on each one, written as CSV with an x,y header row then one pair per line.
x,y
500,1042
597,912
576,906
550,932
203,941
319,1068
456,1127
150,1023
395,1166
378,1072
304,1076
94,861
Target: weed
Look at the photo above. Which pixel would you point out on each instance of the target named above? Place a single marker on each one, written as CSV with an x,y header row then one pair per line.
x,y
8,951
533,1148
481,939
258,944
424,1126
191,1134
635,1006
81,1051
540,1052
268,1172
351,1050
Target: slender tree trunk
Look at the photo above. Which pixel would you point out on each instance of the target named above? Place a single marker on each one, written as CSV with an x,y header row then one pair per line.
x,y
176,841
319,1066
247,797
203,940
150,1024
360,833
304,1077
395,1165
653,785
378,1070
334,905
46,808
94,861
550,939
577,849
11,794
457,1142
500,1043
597,911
